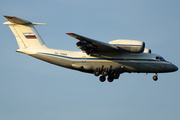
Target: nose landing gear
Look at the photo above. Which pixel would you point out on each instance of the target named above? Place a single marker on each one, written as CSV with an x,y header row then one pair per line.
x,y
155,77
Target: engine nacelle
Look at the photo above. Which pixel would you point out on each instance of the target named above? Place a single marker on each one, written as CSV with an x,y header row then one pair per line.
x,y
147,50
131,46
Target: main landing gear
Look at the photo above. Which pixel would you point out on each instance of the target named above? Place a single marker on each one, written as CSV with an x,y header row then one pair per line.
x,y
103,78
104,73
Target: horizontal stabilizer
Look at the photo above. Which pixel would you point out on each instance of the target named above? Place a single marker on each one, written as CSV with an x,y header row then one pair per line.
x,y
17,20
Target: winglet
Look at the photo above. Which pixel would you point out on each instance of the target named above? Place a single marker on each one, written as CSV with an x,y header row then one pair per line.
x,y
7,16
73,35
69,33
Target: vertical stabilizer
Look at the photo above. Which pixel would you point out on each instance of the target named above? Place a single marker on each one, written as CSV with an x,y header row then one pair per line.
x,y
25,33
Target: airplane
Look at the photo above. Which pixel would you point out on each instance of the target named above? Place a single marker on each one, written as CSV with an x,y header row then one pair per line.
x,y
98,58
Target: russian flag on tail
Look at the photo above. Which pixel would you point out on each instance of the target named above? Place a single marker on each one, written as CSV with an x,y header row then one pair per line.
x,y
30,36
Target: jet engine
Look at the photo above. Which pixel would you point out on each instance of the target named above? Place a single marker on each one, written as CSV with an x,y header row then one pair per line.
x,y
131,46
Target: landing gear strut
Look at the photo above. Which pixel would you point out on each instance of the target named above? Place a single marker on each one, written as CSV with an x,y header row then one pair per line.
x,y
155,77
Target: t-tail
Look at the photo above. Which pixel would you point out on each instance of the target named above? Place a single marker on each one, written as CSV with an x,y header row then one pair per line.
x,y
25,33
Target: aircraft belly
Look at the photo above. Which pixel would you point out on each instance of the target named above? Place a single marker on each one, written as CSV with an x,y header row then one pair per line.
x,y
152,67
54,60
143,67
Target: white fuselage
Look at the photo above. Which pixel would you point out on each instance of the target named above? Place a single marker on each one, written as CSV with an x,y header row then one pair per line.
x,y
117,62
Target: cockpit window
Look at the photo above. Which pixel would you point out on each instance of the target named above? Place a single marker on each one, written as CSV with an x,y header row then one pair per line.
x,y
160,58
157,58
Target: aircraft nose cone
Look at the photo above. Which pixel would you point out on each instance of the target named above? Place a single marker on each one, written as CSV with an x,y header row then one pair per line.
x,y
173,68
170,68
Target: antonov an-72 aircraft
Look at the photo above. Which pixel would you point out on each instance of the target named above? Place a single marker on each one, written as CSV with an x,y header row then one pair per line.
x,y
99,58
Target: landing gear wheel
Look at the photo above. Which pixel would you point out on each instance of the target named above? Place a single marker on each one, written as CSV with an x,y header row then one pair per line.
x,y
104,72
102,78
96,72
110,78
155,78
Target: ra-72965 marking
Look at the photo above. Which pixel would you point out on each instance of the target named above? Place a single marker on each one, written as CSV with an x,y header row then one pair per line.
x,y
64,54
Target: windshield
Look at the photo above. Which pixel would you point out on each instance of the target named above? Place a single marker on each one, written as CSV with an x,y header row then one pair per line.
x,y
160,58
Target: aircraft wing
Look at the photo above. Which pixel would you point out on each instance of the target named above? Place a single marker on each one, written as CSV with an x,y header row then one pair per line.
x,y
91,46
